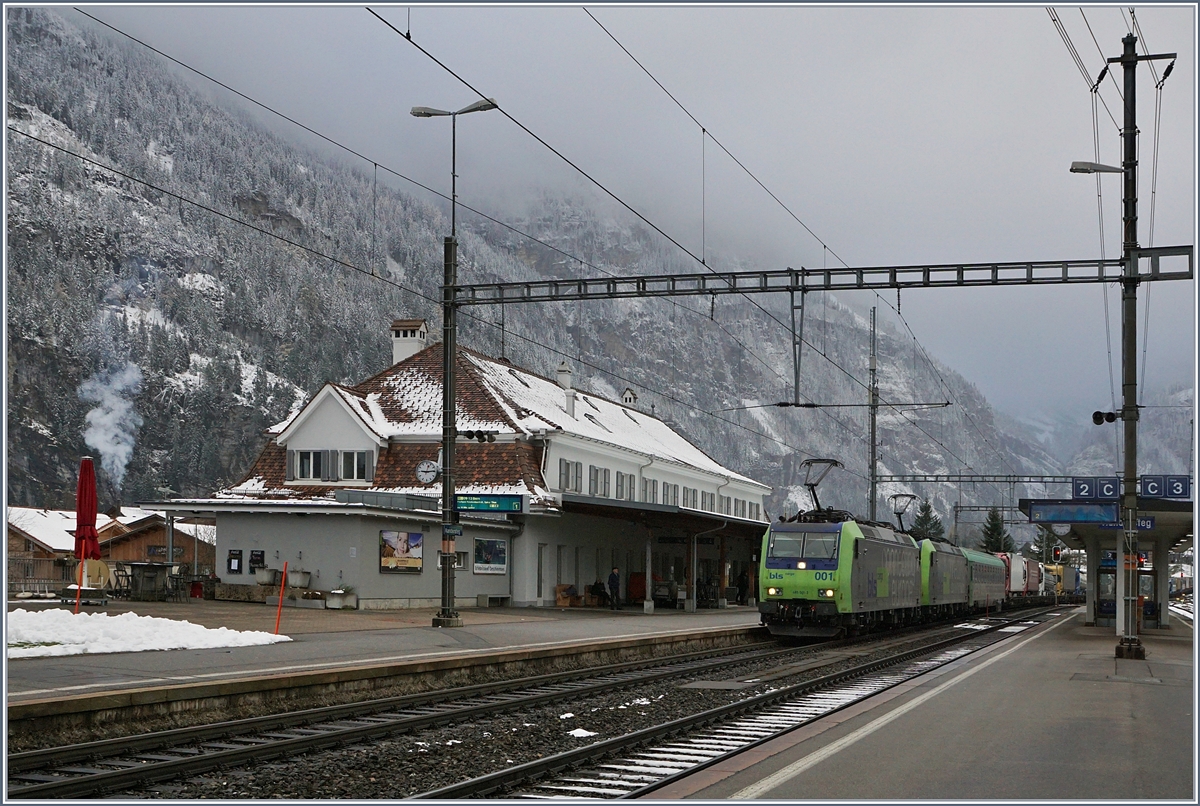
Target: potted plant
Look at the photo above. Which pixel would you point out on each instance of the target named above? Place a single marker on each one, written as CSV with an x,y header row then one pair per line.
x,y
343,597
298,578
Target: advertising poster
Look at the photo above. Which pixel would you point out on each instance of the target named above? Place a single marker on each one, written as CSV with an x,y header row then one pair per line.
x,y
491,556
400,551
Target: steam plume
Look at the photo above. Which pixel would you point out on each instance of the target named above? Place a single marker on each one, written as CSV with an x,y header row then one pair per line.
x,y
113,424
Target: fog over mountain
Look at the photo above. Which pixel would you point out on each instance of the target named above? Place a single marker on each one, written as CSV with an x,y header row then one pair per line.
x,y
163,337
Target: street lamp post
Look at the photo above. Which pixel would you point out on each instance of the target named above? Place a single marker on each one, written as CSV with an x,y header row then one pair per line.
x,y
1129,646
448,616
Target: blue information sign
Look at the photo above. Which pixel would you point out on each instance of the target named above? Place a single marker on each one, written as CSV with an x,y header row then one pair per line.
x,y
489,503
1154,486
1179,487
1083,488
1072,512
1108,487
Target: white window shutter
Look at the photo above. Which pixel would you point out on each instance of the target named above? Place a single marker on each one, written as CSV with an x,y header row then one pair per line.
x,y
335,467
370,466
289,472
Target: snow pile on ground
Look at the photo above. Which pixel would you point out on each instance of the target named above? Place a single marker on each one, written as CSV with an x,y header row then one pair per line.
x,y
61,632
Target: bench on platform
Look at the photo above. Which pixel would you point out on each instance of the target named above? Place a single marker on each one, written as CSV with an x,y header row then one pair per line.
x,y
492,600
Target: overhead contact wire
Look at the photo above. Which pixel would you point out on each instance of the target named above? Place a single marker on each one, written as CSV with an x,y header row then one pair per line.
x,y
399,175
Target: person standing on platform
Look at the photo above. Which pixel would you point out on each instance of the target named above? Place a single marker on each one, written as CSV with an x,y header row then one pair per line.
x,y
614,588
743,587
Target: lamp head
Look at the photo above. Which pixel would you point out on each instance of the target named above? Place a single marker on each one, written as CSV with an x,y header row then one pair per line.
x,y
427,112
1094,168
482,105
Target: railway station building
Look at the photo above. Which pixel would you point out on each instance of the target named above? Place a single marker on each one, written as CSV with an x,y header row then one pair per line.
x,y
589,483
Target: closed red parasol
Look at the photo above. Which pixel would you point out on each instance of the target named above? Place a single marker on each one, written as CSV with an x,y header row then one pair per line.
x,y
87,542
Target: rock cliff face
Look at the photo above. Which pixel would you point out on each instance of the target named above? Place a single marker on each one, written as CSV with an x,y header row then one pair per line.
x,y
164,336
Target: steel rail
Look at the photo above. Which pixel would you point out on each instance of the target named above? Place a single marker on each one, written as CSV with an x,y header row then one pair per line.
x,y
507,778
537,689
948,275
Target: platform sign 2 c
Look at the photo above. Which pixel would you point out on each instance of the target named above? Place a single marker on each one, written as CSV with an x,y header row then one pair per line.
x,y
1106,487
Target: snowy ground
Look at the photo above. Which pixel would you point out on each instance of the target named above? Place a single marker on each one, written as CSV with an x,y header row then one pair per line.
x,y
60,632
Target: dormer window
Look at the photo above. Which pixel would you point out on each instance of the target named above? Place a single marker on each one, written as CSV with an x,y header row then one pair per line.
x,y
354,465
308,465
330,465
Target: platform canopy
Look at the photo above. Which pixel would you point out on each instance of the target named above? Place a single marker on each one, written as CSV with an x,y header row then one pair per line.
x,y
1158,518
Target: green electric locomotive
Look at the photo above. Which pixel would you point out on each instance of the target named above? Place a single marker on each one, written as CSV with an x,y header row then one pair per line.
x,y
825,574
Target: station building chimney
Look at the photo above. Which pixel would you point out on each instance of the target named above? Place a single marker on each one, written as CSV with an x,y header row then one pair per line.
x,y
409,337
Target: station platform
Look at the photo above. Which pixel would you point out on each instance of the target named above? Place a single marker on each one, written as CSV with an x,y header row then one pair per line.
x,y
335,640
1049,714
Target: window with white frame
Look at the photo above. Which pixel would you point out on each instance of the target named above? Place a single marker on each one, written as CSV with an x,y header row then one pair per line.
x,y
309,465
570,476
354,465
598,481
671,494
650,491
755,511
724,505
707,501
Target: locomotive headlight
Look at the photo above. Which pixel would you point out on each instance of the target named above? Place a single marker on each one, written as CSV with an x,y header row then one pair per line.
x,y
802,565
829,593
773,591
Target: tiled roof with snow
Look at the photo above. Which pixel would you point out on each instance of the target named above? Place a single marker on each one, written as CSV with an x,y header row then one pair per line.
x,y
405,400
53,528
534,402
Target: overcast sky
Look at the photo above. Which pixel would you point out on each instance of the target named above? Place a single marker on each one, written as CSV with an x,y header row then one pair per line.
x,y
898,135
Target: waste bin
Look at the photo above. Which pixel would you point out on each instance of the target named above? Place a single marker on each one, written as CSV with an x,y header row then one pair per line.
x,y
198,590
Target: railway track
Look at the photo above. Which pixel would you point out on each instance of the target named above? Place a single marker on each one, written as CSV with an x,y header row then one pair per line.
x,y
639,763
120,764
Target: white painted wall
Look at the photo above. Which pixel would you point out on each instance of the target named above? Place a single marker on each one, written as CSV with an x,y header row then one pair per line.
x,y
330,426
344,550
589,453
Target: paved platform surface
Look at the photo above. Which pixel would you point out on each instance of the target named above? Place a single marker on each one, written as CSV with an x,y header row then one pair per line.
x,y
326,639
1049,714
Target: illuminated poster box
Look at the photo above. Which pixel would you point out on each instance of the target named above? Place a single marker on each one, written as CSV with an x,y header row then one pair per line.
x,y
400,552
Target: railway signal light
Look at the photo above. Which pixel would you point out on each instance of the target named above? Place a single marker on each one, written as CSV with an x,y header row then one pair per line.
x,y
1057,553
1102,417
